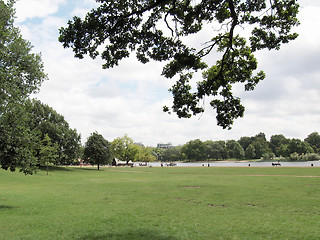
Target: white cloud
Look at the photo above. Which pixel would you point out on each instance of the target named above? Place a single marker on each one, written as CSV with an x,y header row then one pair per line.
x,y
27,9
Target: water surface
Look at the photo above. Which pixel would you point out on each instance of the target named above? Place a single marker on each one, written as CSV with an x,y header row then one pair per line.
x,y
236,164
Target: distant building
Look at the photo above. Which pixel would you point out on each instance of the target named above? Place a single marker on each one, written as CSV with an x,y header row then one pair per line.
x,y
164,145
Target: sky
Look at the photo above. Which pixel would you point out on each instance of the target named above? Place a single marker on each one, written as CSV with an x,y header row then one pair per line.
x,y
128,99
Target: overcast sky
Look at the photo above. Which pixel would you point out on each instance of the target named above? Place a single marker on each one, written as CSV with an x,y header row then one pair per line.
x,y
129,98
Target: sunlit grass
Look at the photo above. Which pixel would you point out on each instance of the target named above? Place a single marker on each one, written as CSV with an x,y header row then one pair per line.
x,y
161,203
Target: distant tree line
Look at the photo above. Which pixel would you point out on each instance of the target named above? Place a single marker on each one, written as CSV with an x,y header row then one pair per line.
x,y
256,147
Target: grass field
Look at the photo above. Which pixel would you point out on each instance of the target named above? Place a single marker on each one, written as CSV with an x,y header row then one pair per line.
x,y
161,203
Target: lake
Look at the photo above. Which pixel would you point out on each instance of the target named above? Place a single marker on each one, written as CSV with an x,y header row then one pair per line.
x,y
237,164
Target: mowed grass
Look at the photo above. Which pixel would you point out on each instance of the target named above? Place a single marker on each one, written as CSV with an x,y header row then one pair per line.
x,y
161,203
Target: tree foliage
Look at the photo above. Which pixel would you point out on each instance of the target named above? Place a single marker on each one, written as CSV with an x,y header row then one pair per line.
x,y
23,129
235,149
18,143
21,73
298,146
144,154
124,148
171,154
48,152
159,29
216,150
255,147
45,120
245,142
97,150
278,143
314,140
250,152
194,150
261,145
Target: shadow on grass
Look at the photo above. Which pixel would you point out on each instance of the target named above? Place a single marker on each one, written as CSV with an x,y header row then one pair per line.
x,y
139,234
56,168
89,168
5,207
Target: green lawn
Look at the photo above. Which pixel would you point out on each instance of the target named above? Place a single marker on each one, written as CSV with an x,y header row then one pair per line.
x,y
161,203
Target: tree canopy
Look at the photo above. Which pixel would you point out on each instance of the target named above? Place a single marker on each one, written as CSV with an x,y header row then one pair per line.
x,y
159,29
21,73
124,148
97,150
18,143
194,150
48,152
46,121
314,140
144,154
24,129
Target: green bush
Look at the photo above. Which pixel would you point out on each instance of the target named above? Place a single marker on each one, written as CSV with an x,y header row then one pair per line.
x,y
304,157
310,157
268,156
294,157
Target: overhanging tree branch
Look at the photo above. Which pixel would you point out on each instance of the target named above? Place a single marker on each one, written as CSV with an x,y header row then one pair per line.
x,y
135,25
